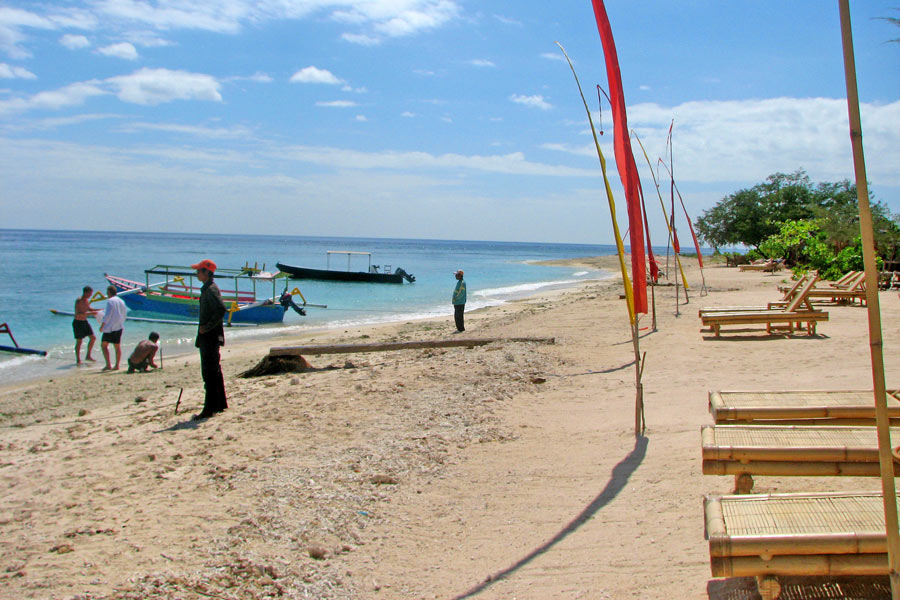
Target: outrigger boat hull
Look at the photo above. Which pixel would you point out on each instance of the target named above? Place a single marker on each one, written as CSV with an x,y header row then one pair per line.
x,y
187,305
329,275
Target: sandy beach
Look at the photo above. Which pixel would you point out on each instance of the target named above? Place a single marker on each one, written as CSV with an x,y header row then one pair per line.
x,y
503,471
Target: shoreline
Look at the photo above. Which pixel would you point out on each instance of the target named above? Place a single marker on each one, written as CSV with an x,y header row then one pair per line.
x,y
67,368
499,471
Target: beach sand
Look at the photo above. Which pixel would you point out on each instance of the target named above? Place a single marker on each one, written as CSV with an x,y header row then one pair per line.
x,y
502,471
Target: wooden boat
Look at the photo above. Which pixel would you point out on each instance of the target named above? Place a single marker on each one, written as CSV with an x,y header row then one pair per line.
x,y
374,273
179,293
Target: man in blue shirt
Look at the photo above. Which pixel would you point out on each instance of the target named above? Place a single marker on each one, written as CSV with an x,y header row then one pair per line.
x,y
459,302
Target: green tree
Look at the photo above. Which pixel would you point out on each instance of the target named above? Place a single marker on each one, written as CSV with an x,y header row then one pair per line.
x,y
752,215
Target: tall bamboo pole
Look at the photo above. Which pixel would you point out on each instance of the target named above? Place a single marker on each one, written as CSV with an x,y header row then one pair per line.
x,y
874,312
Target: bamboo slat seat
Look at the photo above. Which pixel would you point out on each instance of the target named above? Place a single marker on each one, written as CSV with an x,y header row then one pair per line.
x,y
784,450
811,534
787,319
800,407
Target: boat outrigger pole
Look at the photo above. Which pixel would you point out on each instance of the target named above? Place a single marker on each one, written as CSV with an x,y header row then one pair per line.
x,y
4,328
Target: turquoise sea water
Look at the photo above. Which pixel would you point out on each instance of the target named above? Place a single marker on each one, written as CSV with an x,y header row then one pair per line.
x,y
47,269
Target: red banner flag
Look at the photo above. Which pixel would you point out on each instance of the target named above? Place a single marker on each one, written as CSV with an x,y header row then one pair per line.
x,y
625,164
654,268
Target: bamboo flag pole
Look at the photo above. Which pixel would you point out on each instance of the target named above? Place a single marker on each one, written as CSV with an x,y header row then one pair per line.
x,y
629,294
882,419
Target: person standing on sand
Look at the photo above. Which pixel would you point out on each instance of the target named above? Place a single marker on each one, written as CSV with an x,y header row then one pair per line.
x,y
210,337
111,327
459,302
80,325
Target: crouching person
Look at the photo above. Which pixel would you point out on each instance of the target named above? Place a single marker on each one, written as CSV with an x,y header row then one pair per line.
x,y
144,352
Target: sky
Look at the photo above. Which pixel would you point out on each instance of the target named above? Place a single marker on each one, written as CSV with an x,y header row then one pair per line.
x,y
443,119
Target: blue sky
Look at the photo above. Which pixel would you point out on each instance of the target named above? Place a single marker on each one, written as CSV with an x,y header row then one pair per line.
x,y
450,119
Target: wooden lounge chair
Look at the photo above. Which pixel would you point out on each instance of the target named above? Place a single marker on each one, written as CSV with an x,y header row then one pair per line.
x,y
771,535
853,289
840,283
786,319
800,407
782,450
768,265
787,296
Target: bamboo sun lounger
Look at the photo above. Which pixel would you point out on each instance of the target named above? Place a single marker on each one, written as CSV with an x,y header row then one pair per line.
x,y
853,289
840,283
800,407
788,294
787,319
771,535
769,265
780,450
850,287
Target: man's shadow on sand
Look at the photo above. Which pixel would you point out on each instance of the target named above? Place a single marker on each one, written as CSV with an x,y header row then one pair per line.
x,y
620,475
189,424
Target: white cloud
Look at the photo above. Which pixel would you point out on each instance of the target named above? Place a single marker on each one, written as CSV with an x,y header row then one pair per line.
x,y
146,39
748,140
532,101
146,86
361,39
553,56
313,74
12,21
408,115
122,50
191,130
14,72
71,95
507,20
340,158
74,42
361,118
481,62
337,104
396,18
156,86
57,122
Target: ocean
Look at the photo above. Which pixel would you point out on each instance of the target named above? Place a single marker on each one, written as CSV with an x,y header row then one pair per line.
x,y
46,270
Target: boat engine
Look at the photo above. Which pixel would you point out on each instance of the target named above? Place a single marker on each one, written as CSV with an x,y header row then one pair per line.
x,y
407,276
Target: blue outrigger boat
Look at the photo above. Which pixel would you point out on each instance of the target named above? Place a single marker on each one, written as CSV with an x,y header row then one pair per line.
x,y
178,293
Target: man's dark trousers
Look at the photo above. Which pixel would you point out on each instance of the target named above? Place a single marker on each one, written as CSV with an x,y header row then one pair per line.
x,y
458,310
211,369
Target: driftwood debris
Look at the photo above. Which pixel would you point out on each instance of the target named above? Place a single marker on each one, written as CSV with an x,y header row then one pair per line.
x,y
289,359
273,365
389,346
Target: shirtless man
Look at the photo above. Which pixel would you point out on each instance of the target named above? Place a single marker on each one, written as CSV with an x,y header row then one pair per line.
x,y
142,357
80,326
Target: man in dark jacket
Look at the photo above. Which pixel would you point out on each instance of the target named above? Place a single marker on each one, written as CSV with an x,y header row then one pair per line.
x,y
210,337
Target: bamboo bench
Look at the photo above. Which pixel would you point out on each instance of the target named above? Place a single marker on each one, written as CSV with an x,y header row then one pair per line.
x,y
771,535
800,407
780,450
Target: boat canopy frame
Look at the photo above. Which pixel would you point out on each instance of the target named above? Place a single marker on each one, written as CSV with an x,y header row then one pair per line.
x,y
175,282
349,254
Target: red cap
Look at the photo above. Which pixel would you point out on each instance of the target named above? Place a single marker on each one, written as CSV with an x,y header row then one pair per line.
x,y
205,264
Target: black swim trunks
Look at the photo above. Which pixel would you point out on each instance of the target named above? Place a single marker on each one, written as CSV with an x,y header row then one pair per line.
x,y
82,329
113,337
